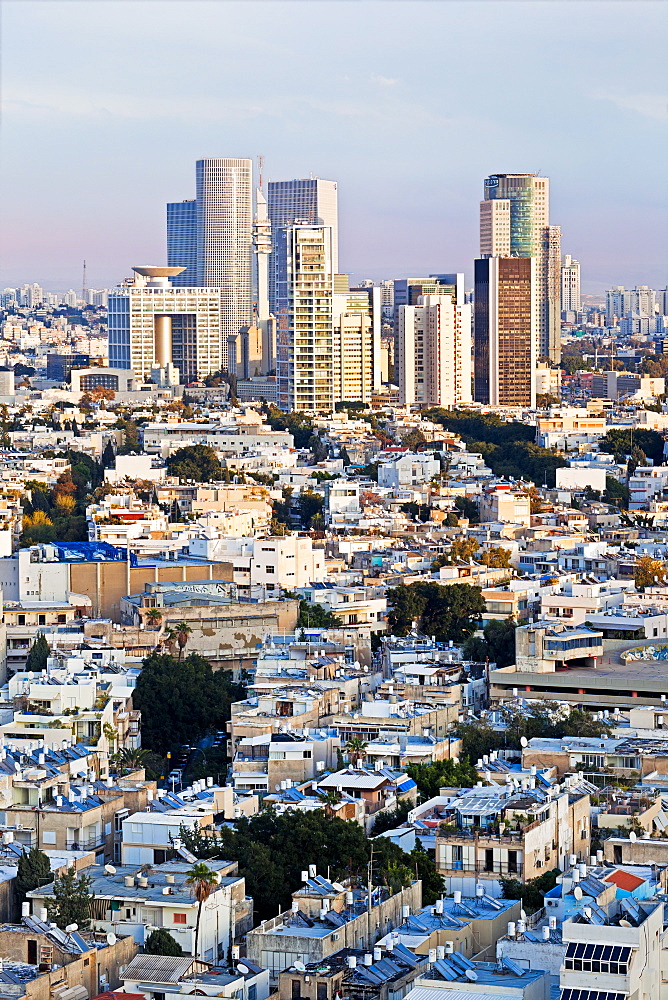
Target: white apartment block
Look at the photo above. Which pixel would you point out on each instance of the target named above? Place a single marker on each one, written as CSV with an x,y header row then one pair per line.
x,y
433,352
305,323
570,284
263,565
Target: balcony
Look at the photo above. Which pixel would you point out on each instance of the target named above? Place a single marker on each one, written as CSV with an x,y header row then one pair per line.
x,y
483,837
85,843
494,869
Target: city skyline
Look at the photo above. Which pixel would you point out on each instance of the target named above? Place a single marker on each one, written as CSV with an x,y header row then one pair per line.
x,y
406,136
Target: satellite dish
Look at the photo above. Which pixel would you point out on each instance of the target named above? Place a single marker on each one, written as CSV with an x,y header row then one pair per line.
x,y
633,837
577,892
523,915
625,923
111,938
472,975
524,741
299,966
243,969
110,870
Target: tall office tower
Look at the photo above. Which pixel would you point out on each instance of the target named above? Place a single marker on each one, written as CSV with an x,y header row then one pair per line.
x,y
262,316
305,327
182,241
152,325
570,284
504,336
357,323
307,202
433,352
225,240
518,225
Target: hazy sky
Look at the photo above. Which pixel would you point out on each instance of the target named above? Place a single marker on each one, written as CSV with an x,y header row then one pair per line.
x,y
407,104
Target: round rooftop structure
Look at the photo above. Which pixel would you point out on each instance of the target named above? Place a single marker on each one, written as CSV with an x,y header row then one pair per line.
x,y
158,272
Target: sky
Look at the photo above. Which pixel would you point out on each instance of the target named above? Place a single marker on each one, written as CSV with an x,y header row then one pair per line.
x,y
408,104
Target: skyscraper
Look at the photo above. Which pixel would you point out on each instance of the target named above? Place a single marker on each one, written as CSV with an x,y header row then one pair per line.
x,y
433,351
308,202
305,327
216,232
570,284
357,327
182,241
505,331
515,222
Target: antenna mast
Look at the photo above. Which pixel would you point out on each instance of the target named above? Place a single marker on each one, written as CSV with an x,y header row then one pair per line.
x,y
260,168
84,284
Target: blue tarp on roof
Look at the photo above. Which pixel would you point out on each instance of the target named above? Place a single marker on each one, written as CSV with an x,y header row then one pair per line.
x,y
93,552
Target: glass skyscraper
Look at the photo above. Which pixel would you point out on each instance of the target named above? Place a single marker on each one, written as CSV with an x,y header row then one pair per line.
x,y
182,241
216,232
515,222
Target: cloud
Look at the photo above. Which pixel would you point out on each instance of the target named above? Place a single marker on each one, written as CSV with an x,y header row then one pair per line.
x,y
384,81
653,106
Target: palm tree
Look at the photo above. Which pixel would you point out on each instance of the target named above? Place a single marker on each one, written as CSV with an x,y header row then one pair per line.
x,y
202,880
153,616
168,639
129,759
329,799
183,632
356,750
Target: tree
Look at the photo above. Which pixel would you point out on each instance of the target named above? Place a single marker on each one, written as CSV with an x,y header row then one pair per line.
x,y
154,617
198,462
310,505
316,616
39,654
183,633
498,644
413,439
531,893
201,880
442,774
462,550
616,493
161,942
617,441
356,749
34,871
468,509
272,850
496,558
446,612
649,572
71,900
129,759
109,457
181,701
345,457
329,798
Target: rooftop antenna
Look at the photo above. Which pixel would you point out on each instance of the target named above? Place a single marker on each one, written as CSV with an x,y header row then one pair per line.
x,y
84,284
260,169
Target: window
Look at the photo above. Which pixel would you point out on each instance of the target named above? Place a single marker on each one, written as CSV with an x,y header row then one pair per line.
x,y
21,620
41,619
179,918
252,992
270,569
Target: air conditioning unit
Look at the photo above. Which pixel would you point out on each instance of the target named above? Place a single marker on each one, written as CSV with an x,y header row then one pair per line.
x,y
335,936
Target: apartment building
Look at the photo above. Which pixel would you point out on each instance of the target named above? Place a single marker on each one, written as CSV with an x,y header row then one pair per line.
x,y
488,831
136,900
